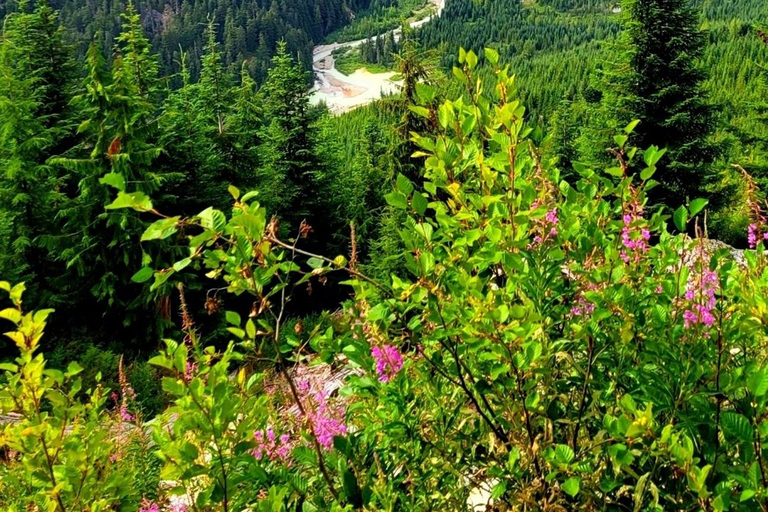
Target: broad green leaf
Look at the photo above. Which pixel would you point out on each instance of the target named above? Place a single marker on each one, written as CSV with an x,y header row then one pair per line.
x,y
135,200
404,185
397,200
419,203
697,205
737,426
571,486
113,179
143,275
492,56
631,126
161,229
681,218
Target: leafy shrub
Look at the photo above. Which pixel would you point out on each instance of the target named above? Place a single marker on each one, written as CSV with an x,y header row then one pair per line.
x,y
551,342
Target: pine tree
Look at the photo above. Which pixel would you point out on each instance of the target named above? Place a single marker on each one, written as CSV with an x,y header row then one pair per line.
x,y
35,73
288,140
658,80
118,151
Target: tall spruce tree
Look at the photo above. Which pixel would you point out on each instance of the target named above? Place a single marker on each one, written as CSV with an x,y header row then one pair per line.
x,y
658,80
35,75
118,150
287,151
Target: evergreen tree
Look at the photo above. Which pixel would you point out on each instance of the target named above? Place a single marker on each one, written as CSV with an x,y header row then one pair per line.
x,y
35,73
658,80
288,138
118,151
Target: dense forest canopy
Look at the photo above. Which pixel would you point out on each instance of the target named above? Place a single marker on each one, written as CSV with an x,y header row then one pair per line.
x,y
499,280
247,30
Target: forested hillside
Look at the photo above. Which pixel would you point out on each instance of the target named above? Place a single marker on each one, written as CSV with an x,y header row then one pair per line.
x,y
501,286
246,30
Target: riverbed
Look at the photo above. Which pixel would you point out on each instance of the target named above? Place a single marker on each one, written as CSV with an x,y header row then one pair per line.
x,y
343,93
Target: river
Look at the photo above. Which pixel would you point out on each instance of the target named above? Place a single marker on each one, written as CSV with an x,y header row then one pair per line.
x,y
343,93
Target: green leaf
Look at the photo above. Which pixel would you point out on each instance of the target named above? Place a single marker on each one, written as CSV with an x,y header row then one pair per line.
x,y
397,200
737,426
113,179
746,494
315,263
471,59
232,318
11,314
420,111
143,275
160,278
492,56
234,192
647,173
571,486
182,264
161,229
697,205
213,219
404,185
419,203
73,369
253,225
564,454
681,218
135,200
161,361
631,126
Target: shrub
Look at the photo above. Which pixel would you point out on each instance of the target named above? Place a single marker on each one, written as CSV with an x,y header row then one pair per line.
x,y
551,342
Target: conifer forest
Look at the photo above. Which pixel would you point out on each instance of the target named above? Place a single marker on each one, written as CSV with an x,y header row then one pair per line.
x,y
383,255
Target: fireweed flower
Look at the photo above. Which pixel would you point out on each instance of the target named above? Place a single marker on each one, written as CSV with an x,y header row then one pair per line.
x,y
700,299
149,506
324,419
754,236
389,361
634,240
274,448
545,228
190,371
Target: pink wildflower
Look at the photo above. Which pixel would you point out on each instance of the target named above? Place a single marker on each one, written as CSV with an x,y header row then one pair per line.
x,y
325,420
752,236
389,361
545,228
124,414
149,506
190,371
177,507
700,294
635,241
271,447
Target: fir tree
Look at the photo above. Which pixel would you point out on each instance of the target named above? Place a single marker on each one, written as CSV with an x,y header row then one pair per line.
x,y
288,139
658,80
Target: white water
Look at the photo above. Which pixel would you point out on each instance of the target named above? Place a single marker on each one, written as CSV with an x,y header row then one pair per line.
x,y
343,93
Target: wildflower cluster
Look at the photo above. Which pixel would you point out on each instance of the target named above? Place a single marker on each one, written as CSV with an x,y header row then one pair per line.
x,y
326,421
389,361
127,394
270,446
149,506
634,237
700,299
544,228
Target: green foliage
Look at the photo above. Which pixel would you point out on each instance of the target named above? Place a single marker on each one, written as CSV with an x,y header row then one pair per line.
x,y
62,450
379,17
538,345
656,79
